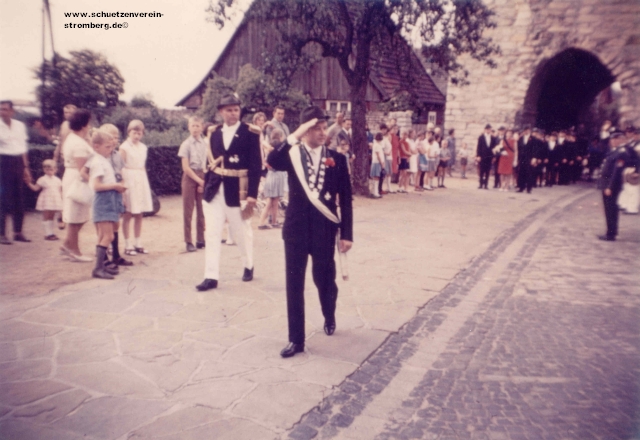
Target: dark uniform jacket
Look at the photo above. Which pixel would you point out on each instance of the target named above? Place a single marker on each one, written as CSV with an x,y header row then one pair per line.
x,y
553,155
483,150
612,167
527,151
304,223
243,154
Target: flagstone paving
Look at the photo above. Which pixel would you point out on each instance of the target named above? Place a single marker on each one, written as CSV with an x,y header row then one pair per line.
x,y
466,312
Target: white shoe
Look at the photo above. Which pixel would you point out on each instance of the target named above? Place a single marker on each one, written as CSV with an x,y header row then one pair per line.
x,y
81,258
231,242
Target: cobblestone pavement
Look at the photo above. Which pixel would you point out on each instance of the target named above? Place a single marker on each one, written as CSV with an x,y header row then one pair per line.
x,y
445,327
537,339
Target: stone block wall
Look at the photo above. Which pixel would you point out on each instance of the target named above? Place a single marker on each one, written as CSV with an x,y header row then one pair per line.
x,y
530,32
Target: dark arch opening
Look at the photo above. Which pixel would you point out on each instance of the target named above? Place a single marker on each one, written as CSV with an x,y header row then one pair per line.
x,y
563,88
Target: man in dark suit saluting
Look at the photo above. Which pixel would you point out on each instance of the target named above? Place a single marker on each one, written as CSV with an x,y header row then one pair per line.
x,y
233,176
318,184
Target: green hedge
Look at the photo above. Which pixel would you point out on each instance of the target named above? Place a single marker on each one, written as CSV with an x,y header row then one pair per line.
x,y
164,169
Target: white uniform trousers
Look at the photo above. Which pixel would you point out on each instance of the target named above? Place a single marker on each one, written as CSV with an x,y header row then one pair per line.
x,y
629,198
215,214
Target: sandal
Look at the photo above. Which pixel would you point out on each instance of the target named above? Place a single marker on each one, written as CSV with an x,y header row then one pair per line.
x,y
264,227
130,252
141,250
51,237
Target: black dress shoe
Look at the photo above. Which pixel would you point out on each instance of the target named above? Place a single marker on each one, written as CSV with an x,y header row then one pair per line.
x,y
22,238
207,284
329,327
248,274
606,238
520,190
122,262
191,247
200,244
291,349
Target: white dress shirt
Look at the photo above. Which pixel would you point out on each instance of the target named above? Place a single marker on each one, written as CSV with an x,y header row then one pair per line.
x,y
487,139
228,132
316,155
13,139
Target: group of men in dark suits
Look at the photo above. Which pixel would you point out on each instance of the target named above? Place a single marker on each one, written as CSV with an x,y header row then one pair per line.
x,y
554,159
318,216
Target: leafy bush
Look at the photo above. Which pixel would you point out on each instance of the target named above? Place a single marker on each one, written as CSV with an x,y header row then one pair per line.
x,y
164,169
172,136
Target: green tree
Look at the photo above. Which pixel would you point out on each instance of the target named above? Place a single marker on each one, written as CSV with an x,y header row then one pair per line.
x,y
86,79
142,101
257,91
356,33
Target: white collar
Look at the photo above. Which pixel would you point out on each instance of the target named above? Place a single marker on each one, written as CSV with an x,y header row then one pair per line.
x,y
233,127
315,151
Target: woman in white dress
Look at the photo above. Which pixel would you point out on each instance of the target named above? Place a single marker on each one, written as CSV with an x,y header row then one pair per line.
x,y
137,197
76,152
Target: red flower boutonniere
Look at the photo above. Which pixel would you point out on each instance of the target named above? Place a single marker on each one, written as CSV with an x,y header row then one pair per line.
x,y
329,162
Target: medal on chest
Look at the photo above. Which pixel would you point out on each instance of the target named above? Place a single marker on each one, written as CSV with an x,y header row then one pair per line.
x,y
316,182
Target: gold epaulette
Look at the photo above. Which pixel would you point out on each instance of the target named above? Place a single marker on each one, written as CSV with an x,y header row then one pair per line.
x,y
254,129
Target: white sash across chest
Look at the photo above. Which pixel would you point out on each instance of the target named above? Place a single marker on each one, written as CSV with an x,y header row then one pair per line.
x,y
296,161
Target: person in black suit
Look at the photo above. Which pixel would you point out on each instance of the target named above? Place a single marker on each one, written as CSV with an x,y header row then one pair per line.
x,y
485,155
553,160
527,154
611,181
542,156
566,153
497,152
318,184
232,180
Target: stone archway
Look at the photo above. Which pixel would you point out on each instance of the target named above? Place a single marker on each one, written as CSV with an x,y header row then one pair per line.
x,y
563,87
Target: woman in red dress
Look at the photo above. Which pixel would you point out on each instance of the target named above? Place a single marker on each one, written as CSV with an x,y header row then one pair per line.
x,y
507,155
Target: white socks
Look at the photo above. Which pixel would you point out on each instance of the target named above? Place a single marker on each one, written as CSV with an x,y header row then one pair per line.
x,y
48,227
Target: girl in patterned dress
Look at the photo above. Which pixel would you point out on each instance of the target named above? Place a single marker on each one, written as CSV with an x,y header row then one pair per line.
x,y
137,198
50,198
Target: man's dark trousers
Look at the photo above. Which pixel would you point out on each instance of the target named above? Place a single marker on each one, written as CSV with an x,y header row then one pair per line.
x,y
611,213
324,275
485,170
11,194
526,177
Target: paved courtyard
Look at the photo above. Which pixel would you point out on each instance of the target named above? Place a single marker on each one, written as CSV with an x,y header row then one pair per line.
x,y
468,314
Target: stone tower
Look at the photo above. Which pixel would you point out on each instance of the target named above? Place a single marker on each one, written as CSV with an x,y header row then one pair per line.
x,y
557,55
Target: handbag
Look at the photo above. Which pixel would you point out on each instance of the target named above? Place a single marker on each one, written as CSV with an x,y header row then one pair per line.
x,y
81,192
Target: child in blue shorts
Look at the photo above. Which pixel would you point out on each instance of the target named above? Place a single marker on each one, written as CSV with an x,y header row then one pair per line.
x,y
107,203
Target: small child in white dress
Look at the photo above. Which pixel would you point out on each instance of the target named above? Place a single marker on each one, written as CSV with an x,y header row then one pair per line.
x,y
137,198
50,197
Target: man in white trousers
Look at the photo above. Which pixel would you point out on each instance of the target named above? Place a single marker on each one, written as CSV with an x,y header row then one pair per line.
x,y
231,187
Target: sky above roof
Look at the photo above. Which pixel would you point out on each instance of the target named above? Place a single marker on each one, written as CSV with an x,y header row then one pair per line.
x,y
164,56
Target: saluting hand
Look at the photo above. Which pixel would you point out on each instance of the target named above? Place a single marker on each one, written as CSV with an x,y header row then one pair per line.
x,y
303,128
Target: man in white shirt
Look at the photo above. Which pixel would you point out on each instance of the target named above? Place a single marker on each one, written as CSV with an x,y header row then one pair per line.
x,y
14,170
229,184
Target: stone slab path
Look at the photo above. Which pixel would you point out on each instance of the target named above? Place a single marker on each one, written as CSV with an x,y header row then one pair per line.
x,y
539,338
147,356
